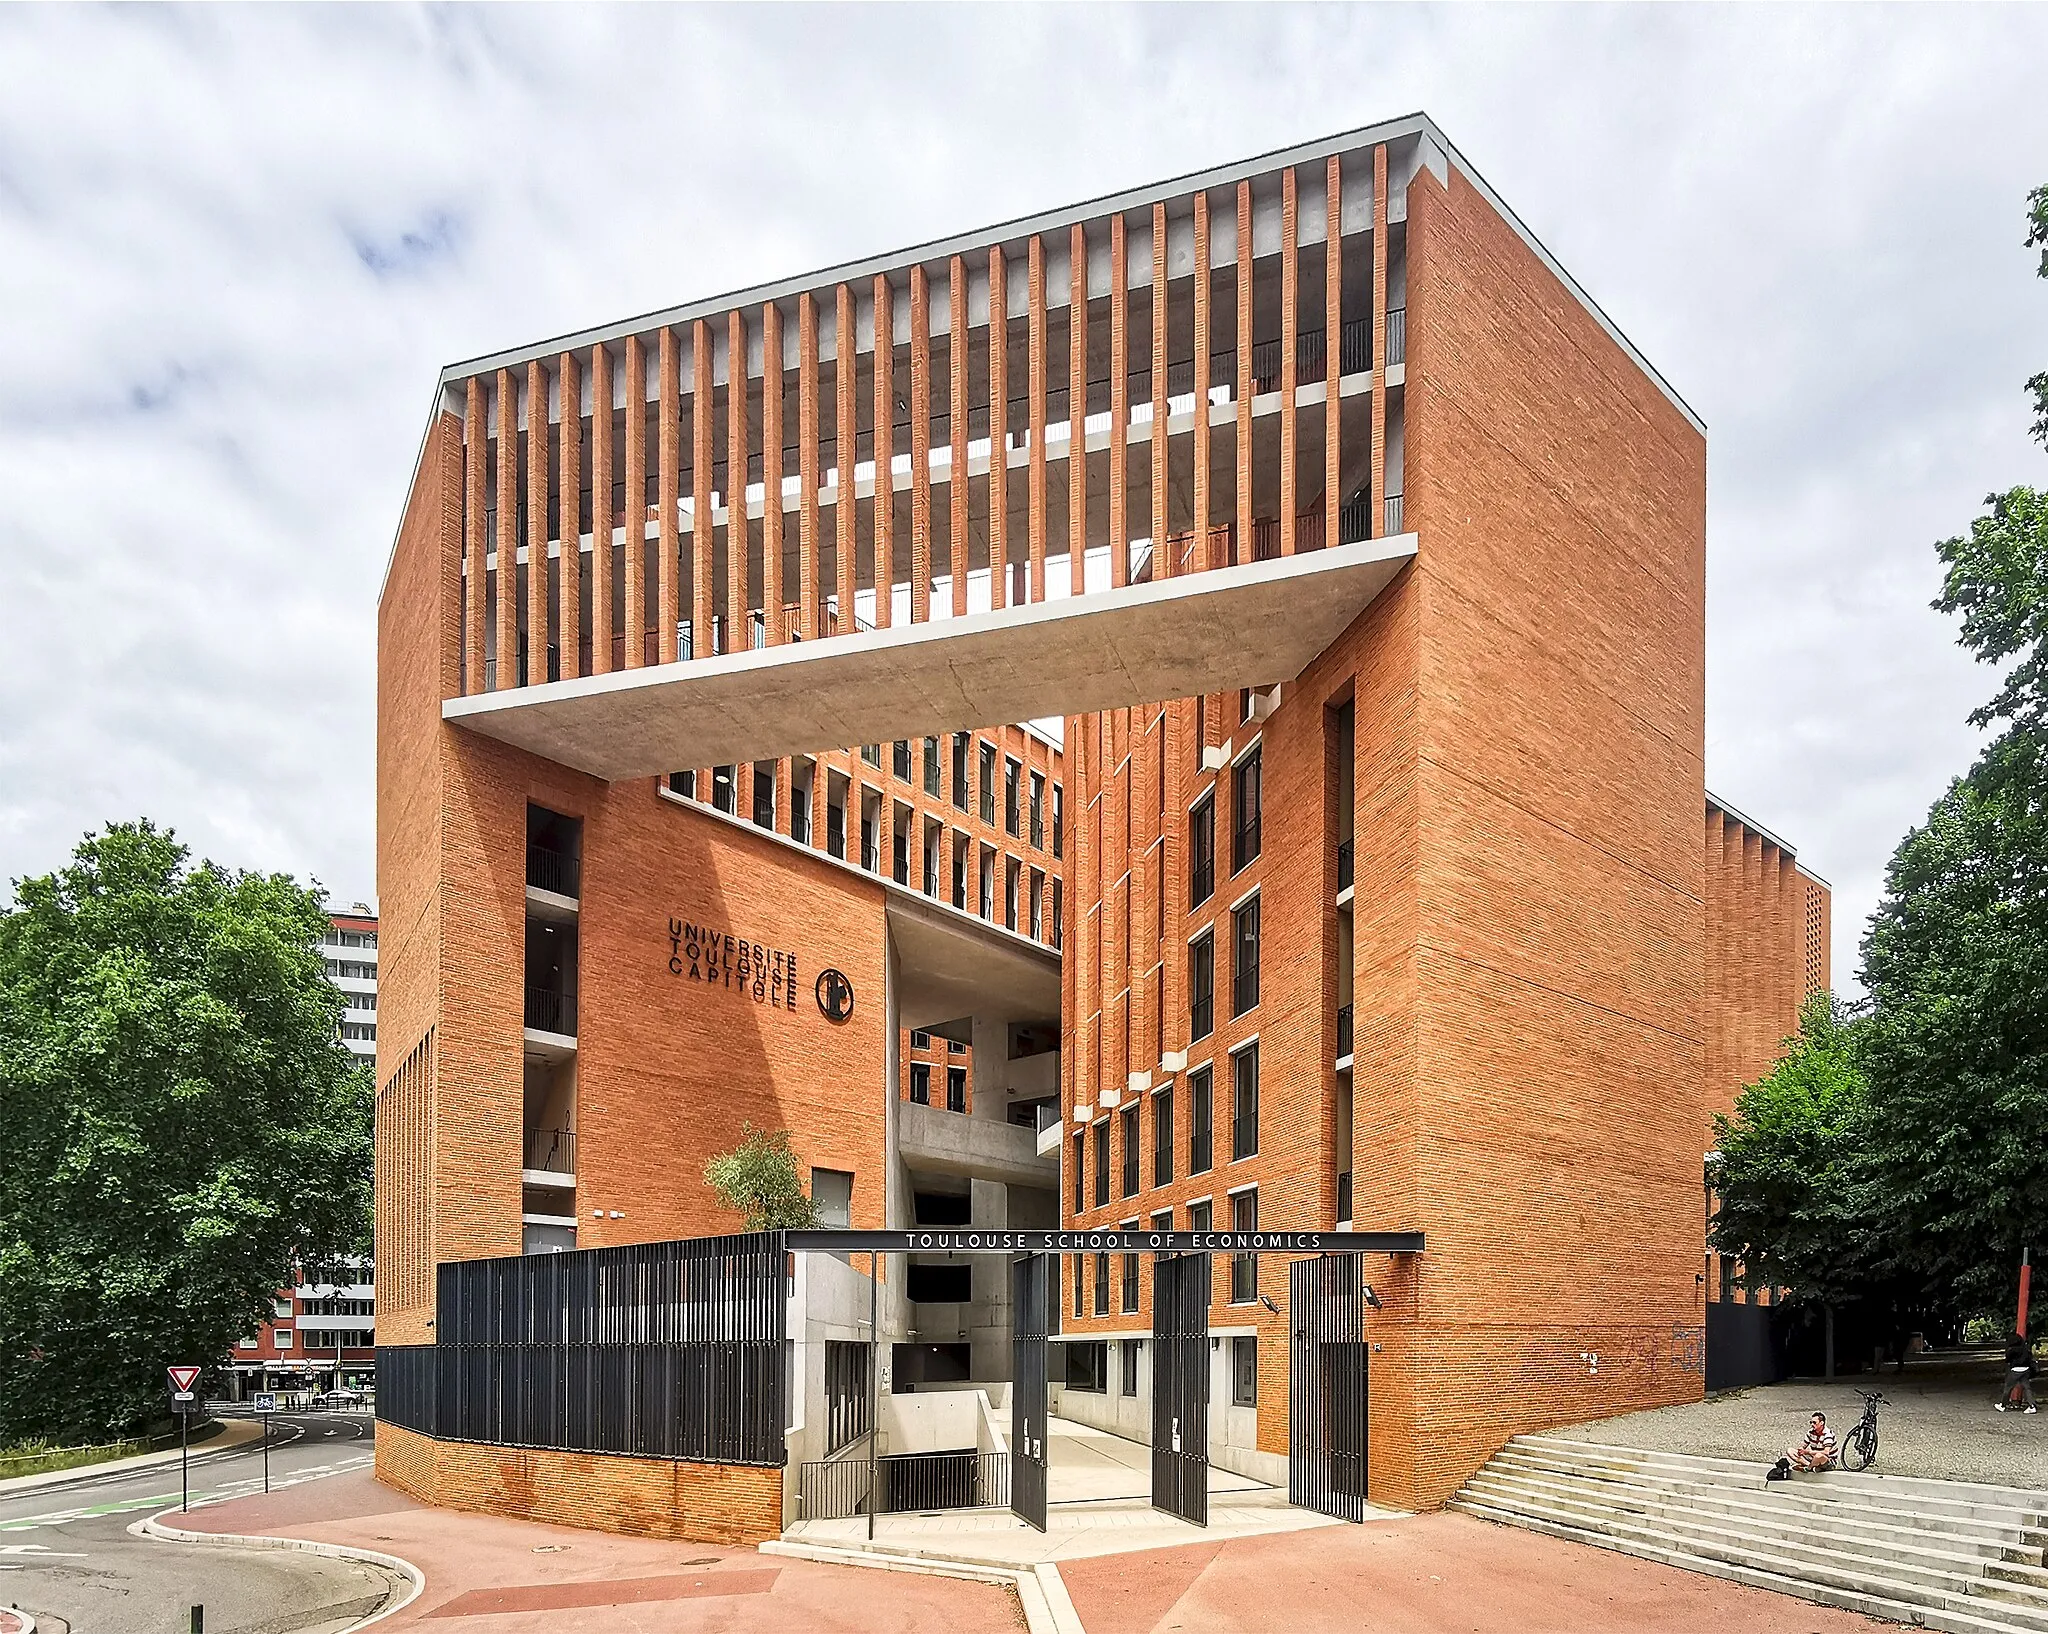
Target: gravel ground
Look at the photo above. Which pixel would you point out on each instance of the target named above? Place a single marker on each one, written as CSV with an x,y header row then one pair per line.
x,y
1939,1423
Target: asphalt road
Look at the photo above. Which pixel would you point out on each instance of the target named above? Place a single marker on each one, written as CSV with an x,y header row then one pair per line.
x,y
66,1553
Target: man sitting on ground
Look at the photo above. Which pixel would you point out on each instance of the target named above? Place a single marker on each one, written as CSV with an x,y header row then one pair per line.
x,y
1815,1453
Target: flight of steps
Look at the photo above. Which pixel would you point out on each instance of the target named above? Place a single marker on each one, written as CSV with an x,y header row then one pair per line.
x,y
1942,1554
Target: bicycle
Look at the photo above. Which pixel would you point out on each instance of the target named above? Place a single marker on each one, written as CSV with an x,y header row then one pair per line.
x,y
1859,1446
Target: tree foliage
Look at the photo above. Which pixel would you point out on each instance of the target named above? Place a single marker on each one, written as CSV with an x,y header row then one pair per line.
x,y
183,1125
759,1180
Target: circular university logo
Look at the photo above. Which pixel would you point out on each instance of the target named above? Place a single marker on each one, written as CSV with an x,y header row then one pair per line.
x,y
835,995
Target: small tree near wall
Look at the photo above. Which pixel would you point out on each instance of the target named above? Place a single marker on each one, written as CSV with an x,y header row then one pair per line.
x,y
759,1180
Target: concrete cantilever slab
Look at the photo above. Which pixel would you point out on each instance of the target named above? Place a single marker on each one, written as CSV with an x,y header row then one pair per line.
x,y
1249,625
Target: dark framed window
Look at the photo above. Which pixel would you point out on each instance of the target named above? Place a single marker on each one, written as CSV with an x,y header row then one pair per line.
x,y
1244,1371
921,1083
1038,810
1202,985
988,782
1058,928
931,863
872,754
764,795
1010,872
1162,1136
1202,852
724,795
1244,803
931,767
1130,1287
920,1039
960,742
1088,1366
1059,819
899,761
1163,1220
1102,1285
1244,1102
1127,1132
835,829
1037,906
1012,819
960,871
1131,1348
1080,1288
1102,1163
1244,1268
800,813
1201,1120
1202,1217
956,1089
899,848
683,783
988,884
1080,1171
1244,957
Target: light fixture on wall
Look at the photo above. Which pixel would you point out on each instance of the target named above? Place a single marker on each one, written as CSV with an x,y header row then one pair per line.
x,y
1373,1299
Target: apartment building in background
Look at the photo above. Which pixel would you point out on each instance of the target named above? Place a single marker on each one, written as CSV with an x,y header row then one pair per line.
x,y
321,1335
350,952
1361,558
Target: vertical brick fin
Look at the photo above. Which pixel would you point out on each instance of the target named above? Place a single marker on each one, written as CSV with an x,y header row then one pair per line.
x,y
885,452
1035,322
738,455
998,428
1333,351
845,444
1242,391
537,440
920,446
703,531
1119,401
507,531
665,610
1205,553
603,463
1290,340
1077,408
405,1192
772,593
1163,564
636,502
475,546
810,618
444,444
1376,493
569,512
956,425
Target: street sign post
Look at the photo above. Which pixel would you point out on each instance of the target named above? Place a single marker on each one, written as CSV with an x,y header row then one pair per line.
x,y
266,1404
182,1381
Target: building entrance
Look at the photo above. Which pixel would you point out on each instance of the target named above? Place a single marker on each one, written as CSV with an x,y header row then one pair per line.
x,y
1326,1394
1180,1387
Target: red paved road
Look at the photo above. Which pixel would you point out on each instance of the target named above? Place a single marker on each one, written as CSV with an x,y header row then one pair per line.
x,y
1433,1574
512,1577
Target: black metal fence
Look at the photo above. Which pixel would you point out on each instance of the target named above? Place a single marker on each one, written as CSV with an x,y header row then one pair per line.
x,y
1327,1381
664,1350
905,1483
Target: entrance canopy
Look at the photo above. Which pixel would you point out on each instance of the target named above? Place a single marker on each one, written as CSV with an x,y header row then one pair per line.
x,y
1105,1242
1247,625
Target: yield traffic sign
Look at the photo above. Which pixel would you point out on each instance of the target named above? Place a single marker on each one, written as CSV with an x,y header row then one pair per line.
x,y
182,1378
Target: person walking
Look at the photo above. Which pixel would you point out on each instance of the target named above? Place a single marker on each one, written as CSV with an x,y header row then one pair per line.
x,y
2018,1384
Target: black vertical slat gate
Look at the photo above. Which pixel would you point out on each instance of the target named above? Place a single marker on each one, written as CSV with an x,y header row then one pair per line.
x,y
1327,1375
1029,1285
1180,1386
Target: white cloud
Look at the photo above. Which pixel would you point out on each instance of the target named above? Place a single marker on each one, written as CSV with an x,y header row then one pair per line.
x,y
238,244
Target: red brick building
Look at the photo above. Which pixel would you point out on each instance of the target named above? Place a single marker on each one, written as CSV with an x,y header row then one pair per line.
x,y
1364,560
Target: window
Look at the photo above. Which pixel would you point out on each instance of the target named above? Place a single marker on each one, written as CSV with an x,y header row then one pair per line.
x,y
1130,1349
960,769
1244,1268
872,754
835,829
1102,1163
870,841
1244,797
1102,1285
921,1083
1038,810
1202,1217
248,1344
1009,893
1201,1120
988,884
988,782
899,762
899,847
1080,1177
1163,1220
724,797
1202,986
1080,1285
1244,957
1088,1365
764,795
956,1089
1202,852
1128,1133
1244,1102
955,1047
919,1039
1244,705
1011,772
1059,819
281,1307
1244,1372
832,1197
931,767
683,783
1130,1280
960,872
800,810
1037,906
931,861
1056,921
282,1337
1162,1136
949,1284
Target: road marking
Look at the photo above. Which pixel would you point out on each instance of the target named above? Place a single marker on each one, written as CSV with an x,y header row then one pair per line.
x,y
232,1489
41,1551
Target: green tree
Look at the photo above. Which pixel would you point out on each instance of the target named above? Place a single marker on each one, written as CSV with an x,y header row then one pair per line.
x,y
1795,1206
183,1125
759,1180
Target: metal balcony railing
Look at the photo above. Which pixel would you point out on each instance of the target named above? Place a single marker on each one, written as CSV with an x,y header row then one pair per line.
x,y
1397,335
553,1151
1357,346
1393,513
553,871
1265,538
1354,521
1343,1031
1344,865
904,1483
1344,1196
550,1012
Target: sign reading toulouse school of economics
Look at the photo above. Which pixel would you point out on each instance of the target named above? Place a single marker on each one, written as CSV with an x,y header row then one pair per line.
x,y
1108,1242
764,974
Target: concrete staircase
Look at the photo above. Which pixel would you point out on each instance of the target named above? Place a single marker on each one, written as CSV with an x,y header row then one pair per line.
x,y
1940,1554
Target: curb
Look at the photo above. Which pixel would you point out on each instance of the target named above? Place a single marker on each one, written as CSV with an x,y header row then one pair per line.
x,y
1039,1589
225,1441
22,1622
155,1526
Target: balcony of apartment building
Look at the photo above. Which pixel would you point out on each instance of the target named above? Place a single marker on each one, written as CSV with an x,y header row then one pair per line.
x,y
547,1163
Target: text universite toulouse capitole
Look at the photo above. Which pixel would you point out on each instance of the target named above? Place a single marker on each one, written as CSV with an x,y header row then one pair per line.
x,y
701,954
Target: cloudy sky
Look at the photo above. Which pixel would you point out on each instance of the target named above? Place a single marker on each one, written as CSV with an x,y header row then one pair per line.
x,y
235,246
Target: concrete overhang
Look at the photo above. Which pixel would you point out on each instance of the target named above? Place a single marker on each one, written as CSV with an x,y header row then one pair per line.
x,y
949,964
1246,625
